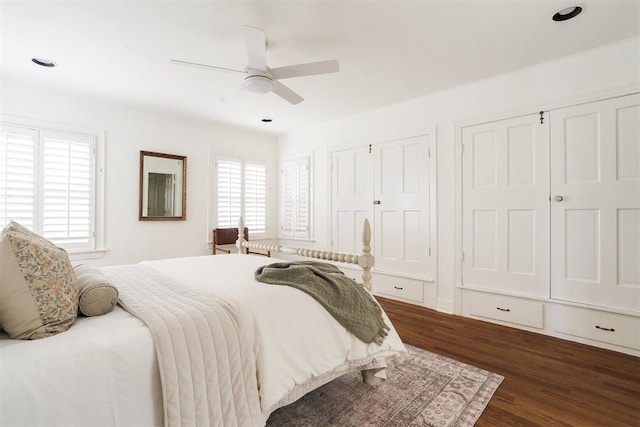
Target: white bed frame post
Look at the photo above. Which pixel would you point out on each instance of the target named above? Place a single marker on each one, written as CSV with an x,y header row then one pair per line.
x,y
240,240
364,260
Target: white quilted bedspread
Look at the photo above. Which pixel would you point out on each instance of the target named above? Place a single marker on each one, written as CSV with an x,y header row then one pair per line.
x,y
204,349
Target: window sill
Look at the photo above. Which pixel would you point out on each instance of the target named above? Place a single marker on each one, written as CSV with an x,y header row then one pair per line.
x,y
297,239
80,255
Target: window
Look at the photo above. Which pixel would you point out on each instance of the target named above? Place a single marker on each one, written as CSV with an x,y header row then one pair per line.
x,y
255,200
296,207
48,184
241,190
229,195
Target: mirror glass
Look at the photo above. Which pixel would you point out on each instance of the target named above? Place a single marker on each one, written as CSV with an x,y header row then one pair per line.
x,y
163,185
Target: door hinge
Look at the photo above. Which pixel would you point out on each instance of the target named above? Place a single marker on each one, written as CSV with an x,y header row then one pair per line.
x,y
429,251
462,257
429,152
462,148
369,148
541,117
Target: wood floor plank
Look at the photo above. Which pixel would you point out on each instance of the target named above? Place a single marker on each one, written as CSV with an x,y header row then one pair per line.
x,y
548,381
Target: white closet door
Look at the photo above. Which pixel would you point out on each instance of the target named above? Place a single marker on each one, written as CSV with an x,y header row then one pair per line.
x,y
401,230
351,197
505,206
595,208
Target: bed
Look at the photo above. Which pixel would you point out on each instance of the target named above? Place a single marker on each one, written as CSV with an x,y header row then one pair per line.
x,y
251,349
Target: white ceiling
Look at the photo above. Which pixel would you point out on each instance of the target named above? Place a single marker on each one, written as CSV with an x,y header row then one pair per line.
x,y
389,51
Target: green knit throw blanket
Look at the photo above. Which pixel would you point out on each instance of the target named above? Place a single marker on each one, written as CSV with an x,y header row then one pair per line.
x,y
348,302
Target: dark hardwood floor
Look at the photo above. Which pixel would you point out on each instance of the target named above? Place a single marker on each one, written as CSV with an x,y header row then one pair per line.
x,y
547,381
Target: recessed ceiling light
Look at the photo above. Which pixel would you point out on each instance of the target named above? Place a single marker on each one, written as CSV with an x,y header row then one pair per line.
x,y
267,120
567,13
44,62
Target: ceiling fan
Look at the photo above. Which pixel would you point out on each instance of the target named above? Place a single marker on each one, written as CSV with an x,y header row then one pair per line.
x,y
261,79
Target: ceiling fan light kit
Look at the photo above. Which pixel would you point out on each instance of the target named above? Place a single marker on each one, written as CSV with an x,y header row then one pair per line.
x,y
258,84
262,79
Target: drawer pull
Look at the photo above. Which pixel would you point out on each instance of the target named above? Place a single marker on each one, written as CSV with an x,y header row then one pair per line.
x,y
398,288
503,309
605,329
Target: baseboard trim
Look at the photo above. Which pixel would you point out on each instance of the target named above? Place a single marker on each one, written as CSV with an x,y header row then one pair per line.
x,y
445,306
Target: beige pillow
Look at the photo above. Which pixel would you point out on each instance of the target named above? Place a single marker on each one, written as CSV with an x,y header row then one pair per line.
x,y
97,295
38,291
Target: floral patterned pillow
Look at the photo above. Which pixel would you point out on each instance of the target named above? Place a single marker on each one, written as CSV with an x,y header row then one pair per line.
x,y
38,290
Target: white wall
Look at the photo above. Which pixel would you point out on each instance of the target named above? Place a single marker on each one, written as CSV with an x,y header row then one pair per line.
x,y
128,130
580,77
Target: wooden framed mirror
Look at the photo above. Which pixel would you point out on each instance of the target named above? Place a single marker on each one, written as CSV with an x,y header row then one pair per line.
x,y
163,187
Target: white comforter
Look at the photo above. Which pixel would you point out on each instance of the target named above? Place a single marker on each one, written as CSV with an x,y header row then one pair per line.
x,y
103,371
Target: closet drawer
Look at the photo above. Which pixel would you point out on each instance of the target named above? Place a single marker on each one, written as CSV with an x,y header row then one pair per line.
x,y
352,273
507,309
399,287
601,326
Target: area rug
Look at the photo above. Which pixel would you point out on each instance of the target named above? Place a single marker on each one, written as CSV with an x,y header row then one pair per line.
x,y
422,389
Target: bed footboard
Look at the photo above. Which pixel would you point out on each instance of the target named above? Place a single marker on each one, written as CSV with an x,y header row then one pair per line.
x,y
364,259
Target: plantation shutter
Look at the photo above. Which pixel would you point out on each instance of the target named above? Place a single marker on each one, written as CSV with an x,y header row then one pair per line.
x,y
47,184
255,183
289,177
296,208
303,211
17,176
67,188
229,193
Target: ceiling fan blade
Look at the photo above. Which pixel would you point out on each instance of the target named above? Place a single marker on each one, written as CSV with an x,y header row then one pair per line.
x,y
195,64
256,47
286,93
310,69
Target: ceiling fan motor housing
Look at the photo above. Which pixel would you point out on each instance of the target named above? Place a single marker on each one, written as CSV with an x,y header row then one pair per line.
x,y
258,83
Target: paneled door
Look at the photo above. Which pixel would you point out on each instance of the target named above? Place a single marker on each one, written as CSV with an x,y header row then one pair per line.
x,y
402,238
595,208
505,206
351,196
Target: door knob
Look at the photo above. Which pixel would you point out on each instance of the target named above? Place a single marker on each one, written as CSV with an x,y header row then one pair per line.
x,y
376,202
558,198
